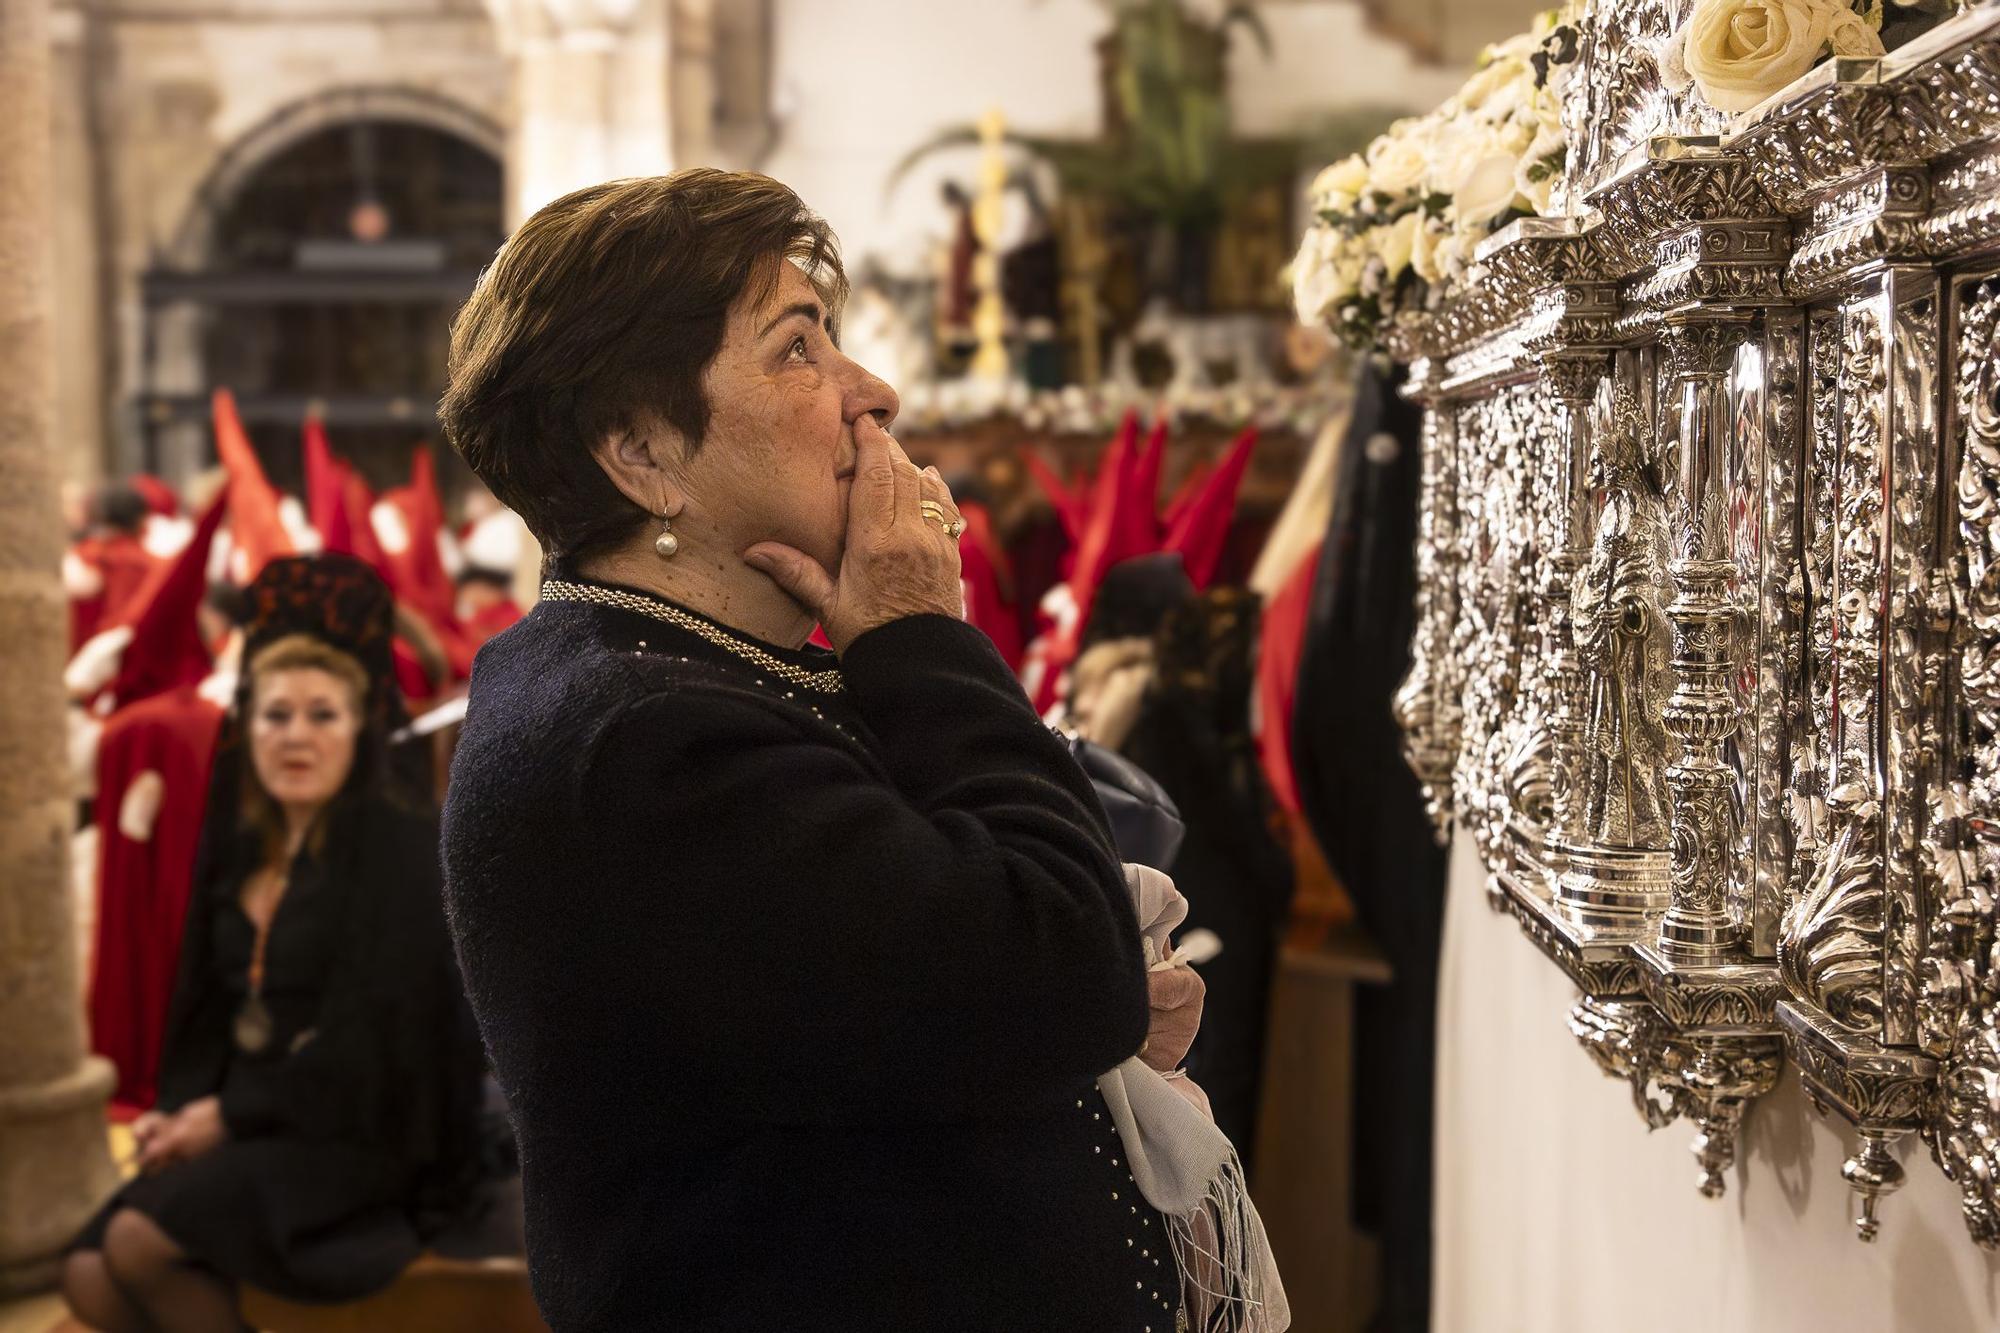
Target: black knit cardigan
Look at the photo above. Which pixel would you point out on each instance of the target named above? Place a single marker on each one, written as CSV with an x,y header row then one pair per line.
x,y
798,998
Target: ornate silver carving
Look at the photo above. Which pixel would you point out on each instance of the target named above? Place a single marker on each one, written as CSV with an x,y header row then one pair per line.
x,y
1574,380
1831,948
1959,1000
1727,1074
1701,713
1707,665
1628,1042
1425,704
1773,613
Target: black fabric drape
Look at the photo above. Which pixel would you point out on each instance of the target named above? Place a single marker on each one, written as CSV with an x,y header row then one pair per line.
x,y
1193,737
1366,809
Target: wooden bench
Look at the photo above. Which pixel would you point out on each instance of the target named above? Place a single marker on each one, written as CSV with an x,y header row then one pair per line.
x,y
434,1295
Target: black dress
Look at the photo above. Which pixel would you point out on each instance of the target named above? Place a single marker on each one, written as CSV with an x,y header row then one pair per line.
x,y
349,1132
1367,811
799,997
1192,736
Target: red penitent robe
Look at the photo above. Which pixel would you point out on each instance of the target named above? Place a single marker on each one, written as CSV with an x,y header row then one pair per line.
x,y
983,572
1281,643
143,882
124,564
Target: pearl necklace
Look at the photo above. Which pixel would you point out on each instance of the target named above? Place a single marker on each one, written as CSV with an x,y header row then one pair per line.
x,y
561,590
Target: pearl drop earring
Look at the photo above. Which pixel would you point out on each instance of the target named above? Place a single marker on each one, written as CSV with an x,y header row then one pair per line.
x,y
666,543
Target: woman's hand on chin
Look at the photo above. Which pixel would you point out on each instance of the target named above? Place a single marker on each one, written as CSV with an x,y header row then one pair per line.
x,y
898,562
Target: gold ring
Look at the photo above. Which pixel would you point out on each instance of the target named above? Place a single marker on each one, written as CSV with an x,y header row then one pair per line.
x,y
953,527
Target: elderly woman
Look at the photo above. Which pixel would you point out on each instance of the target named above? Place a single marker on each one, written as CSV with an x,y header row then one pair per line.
x,y
320,1079
798,967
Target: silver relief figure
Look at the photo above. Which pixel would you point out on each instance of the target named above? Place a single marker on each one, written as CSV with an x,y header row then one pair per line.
x,y
1623,642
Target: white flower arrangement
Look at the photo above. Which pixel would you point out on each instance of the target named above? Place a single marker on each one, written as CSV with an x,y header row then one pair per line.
x,y
1402,218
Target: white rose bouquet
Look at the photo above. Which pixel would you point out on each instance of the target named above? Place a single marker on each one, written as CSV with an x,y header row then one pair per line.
x,y
1397,224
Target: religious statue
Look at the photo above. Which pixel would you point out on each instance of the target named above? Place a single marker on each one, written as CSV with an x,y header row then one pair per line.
x,y
1623,641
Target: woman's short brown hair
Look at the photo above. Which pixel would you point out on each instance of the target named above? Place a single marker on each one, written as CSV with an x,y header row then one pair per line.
x,y
602,313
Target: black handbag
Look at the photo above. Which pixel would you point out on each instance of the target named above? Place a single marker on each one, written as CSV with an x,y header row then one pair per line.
x,y
1145,824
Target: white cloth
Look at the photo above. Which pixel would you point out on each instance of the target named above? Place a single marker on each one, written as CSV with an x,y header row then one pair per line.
x,y
1187,1168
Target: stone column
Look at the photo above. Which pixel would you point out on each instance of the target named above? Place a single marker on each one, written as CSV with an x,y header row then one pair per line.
x,y
592,95
693,85
54,1164
78,332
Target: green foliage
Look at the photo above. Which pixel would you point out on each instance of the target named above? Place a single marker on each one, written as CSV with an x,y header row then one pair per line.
x,y
1177,161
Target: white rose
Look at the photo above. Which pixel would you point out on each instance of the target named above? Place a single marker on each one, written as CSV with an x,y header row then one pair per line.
x,y
1374,276
1313,275
1347,270
1549,139
1851,35
1346,178
1459,149
1491,80
1453,256
1520,46
1742,51
1512,96
1395,166
1424,247
1487,191
1671,61
1395,243
1536,183
1548,110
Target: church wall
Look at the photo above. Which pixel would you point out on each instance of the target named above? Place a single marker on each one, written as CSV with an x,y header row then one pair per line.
x,y
161,89
860,83
1557,1212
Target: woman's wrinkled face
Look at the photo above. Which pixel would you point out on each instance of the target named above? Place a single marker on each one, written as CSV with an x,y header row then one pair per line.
x,y
777,460
303,727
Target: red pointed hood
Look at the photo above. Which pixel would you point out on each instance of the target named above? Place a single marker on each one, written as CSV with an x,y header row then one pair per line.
x,y
1066,503
159,497
166,651
984,573
416,571
340,504
1145,482
254,525
363,545
325,479
1204,526
1119,524
1183,496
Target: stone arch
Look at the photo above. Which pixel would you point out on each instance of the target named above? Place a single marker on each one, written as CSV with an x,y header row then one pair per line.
x,y
294,122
